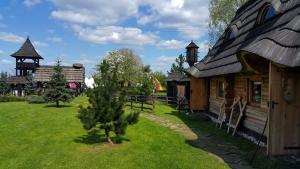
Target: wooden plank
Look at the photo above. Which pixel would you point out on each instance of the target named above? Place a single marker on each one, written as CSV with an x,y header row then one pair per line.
x,y
275,145
199,98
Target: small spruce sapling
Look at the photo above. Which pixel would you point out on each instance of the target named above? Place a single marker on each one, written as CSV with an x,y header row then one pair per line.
x,y
56,88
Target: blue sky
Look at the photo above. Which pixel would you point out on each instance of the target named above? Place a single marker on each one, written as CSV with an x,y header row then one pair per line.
x,y
84,31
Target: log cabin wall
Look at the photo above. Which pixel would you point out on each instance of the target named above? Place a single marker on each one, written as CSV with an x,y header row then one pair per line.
x,y
215,101
239,85
255,114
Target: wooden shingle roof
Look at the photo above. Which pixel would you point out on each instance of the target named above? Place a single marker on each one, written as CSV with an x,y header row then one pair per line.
x,y
192,45
277,39
177,77
17,80
72,73
27,50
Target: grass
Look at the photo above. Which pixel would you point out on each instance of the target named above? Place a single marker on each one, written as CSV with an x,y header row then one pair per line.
x,y
261,161
41,136
160,94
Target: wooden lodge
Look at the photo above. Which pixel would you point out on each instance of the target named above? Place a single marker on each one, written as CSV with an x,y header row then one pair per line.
x,y
28,64
257,60
178,85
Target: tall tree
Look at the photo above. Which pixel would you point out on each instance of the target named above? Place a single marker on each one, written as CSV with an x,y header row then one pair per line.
x,y
146,82
105,110
4,87
129,64
56,89
221,14
178,66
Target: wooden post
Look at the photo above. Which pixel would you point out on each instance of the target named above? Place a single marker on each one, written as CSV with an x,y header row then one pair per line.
x,y
142,104
131,102
153,101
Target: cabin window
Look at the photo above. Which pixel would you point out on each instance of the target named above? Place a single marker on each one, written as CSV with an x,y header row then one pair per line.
x,y
256,87
229,35
267,13
220,88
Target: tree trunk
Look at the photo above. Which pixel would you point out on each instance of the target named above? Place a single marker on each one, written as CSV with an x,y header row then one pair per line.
x,y
108,137
57,103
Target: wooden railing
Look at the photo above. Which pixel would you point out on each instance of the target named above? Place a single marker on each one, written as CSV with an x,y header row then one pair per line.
x,y
140,102
148,102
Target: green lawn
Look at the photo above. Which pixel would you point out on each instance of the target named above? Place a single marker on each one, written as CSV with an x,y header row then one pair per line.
x,y
261,161
38,136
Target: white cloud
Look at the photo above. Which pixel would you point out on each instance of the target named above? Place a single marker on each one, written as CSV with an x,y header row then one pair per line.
x,y
143,20
55,39
62,62
39,44
188,17
166,59
1,52
114,34
31,3
163,63
6,62
94,12
203,46
1,16
86,61
171,44
10,37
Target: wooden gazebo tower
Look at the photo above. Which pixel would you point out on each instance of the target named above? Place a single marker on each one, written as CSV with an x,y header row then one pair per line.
x,y
27,59
27,62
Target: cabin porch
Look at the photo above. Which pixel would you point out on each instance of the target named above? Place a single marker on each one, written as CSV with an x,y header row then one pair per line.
x,y
273,99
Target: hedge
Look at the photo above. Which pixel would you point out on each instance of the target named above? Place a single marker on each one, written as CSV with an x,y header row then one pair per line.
x,y
35,99
12,98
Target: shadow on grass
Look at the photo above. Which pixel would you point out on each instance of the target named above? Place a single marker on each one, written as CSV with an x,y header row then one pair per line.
x,y
60,106
97,138
202,126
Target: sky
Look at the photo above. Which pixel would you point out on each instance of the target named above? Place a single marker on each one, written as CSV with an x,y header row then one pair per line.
x,y
85,31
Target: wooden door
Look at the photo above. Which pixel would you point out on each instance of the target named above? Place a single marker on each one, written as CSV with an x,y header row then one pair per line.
x,y
276,115
198,97
292,113
284,116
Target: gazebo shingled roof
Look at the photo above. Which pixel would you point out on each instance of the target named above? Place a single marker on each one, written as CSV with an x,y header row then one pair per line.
x,y
177,77
192,45
27,50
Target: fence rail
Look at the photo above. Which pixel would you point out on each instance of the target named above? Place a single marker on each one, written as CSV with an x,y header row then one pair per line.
x,y
140,102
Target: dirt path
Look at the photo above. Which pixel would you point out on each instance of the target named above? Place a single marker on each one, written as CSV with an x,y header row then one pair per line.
x,y
226,152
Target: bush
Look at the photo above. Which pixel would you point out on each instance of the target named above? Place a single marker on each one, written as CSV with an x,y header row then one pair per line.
x,y
35,99
12,99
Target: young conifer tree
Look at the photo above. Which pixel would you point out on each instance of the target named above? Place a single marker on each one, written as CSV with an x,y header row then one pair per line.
x,y
56,88
30,86
105,109
4,87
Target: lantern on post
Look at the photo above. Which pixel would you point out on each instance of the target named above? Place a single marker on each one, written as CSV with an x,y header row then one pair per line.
x,y
192,53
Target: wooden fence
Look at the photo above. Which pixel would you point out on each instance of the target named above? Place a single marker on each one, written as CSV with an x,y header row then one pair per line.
x,y
140,102
148,102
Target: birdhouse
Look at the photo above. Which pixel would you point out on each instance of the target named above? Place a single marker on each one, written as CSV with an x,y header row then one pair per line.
x,y
192,53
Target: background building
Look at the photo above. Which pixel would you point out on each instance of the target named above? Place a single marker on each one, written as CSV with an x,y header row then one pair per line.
x,y
28,64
